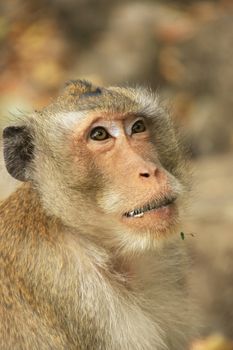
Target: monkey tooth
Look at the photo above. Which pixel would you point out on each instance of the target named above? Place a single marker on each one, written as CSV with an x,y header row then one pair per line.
x,y
139,212
139,215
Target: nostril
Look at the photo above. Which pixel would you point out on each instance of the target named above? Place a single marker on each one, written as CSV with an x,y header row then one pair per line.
x,y
145,174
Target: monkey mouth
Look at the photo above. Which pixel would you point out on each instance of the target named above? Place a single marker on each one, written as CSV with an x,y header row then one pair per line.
x,y
154,205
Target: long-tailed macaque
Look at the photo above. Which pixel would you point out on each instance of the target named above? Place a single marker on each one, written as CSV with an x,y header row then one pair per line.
x,y
91,253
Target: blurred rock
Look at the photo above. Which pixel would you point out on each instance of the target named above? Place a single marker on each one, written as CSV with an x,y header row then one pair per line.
x,y
128,50
211,222
82,20
205,74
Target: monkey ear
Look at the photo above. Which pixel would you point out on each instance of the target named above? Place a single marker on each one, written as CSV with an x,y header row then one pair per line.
x,y
81,88
18,151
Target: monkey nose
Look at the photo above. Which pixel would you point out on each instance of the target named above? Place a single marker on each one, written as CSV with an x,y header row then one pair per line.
x,y
145,174
148,172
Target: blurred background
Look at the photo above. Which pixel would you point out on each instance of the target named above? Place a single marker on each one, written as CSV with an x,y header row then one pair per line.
x,y
182,49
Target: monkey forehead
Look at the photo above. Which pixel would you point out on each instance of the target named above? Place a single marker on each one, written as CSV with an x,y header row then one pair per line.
x,y
68,120
114,102
112,99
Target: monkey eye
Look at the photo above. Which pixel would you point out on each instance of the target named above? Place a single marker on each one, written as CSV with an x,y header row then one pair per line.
x,y
99,134
139,126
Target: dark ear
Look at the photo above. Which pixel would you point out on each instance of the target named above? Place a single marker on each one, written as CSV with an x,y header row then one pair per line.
x,y
18,151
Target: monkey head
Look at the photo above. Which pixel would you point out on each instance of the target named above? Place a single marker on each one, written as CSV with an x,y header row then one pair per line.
x,y
104,161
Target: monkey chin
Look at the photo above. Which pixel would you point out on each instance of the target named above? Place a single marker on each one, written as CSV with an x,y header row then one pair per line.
x,y
158,222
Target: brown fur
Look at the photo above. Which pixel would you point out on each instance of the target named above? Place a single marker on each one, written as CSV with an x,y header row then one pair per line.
x,y
75,275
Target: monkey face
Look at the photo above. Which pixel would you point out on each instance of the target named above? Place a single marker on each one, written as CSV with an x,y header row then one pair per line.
x,y
102,158
137,191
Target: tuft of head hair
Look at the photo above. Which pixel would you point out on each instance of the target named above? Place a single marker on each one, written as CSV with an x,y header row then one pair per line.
x,y
78,88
